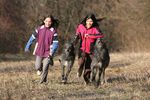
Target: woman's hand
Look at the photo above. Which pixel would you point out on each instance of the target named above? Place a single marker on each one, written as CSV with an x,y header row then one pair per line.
x,y
86,35
26,50
50,60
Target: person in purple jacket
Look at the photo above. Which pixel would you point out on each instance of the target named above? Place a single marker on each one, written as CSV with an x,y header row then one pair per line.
x,y
46,45
87,32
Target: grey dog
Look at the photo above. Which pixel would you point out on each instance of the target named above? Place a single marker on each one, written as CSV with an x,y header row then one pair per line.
x,y
66,61
99,63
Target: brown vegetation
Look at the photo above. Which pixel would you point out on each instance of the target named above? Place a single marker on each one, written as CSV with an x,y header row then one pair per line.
x,y
126,26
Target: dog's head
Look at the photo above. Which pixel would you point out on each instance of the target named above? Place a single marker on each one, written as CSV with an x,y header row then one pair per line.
x,y
69,49
68,52
99,43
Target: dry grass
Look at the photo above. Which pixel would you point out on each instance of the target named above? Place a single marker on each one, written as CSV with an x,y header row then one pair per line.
x,y
128,78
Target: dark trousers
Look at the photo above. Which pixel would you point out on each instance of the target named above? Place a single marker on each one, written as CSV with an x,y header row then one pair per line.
x,y
84,61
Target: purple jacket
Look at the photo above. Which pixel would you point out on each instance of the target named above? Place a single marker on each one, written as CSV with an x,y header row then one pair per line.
x,y
44,39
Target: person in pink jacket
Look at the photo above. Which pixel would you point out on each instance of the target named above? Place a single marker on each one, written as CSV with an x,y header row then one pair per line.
x,y
87,32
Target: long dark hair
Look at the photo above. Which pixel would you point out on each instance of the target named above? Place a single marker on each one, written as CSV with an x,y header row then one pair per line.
x,y
55,21
92,16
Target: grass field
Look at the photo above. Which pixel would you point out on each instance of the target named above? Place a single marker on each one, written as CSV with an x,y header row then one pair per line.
x,y
128,78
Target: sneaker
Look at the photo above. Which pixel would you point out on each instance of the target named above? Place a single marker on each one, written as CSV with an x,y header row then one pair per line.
x,y
39,72
86,83
78,75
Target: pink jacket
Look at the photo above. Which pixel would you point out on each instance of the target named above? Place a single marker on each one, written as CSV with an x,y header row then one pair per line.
x,y
93,33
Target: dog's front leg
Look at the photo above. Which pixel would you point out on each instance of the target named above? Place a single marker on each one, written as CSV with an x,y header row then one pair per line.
x,y
62,73
93,74
69,67
98,74
102,76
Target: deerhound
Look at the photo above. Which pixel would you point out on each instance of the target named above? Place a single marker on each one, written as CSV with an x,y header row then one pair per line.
x,y
67,60
99,63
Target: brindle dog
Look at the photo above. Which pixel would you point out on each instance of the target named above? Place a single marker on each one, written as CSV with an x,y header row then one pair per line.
x,y
67,60
99,63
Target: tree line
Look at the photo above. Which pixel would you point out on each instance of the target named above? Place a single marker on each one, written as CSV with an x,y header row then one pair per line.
x,y
125,27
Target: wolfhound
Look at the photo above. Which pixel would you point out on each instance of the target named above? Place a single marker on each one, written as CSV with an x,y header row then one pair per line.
x,y
67,60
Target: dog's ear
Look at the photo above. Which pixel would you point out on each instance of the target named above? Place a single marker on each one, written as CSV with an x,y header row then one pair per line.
x,y
60,60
